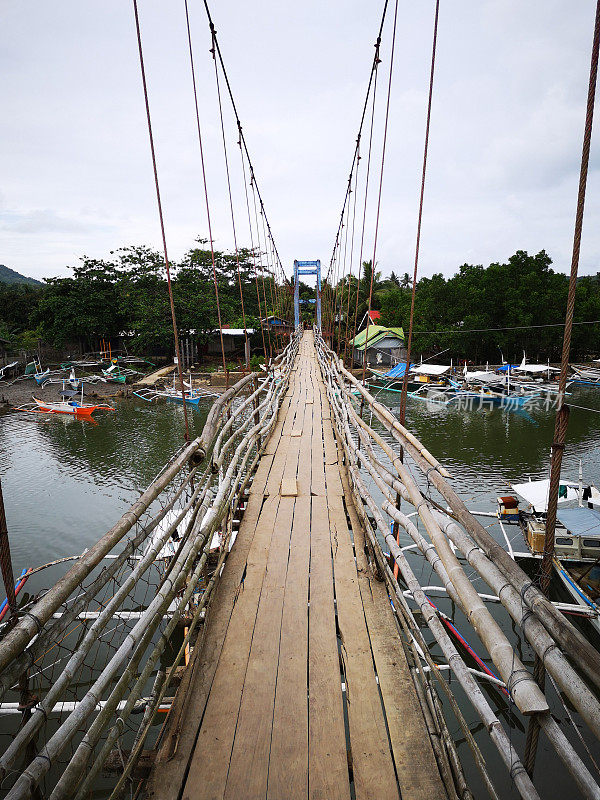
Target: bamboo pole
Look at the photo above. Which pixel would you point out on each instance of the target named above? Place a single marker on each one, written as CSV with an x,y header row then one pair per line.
x,y
544,645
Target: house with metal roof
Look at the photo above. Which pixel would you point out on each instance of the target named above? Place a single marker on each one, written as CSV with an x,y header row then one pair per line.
x,y
385,346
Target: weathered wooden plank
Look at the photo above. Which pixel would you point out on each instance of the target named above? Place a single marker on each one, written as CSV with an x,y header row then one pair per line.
x,y
249,765
318,454
327,756
372,762
332,480
288,766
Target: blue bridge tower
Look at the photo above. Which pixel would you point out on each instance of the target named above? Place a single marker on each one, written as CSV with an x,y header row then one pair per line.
x,y
306,268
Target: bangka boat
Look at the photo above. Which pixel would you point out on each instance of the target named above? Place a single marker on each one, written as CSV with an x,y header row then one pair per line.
x,y
585,376
193,396
42,377
115,374
78,409
576,559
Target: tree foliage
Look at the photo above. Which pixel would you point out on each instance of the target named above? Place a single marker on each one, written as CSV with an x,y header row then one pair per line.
x,y
127,293
522,293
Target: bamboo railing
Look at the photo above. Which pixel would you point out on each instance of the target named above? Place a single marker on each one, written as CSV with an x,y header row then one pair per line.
x,y
79,640
392,470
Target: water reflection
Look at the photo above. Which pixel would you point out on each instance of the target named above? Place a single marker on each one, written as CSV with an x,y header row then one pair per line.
x,y
65,482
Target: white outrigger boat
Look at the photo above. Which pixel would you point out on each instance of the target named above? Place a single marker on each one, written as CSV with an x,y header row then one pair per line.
x,y
576,559
585,376
193,396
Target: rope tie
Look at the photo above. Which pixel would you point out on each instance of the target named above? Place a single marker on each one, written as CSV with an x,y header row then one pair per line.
x,y
38,624
514,681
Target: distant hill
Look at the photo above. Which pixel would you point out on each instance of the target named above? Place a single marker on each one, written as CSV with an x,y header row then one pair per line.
x,y
8,275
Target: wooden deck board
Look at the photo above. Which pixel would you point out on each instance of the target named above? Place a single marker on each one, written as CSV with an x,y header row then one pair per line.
x,y
372,762
248,769
328,760
288,769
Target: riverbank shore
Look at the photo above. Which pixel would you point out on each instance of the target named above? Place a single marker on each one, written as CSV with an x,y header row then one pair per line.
x,y
21,392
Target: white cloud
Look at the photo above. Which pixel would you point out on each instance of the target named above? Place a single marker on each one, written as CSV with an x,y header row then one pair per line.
x,y
509,102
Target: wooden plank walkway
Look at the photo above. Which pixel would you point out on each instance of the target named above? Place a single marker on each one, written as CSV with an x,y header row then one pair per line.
x,y
300,687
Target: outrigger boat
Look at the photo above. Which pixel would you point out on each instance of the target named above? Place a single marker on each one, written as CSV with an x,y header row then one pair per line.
x,y
585,376
68,405
576,559
193,396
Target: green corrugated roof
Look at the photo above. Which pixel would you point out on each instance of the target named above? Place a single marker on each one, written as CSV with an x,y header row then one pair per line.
x,y
376,333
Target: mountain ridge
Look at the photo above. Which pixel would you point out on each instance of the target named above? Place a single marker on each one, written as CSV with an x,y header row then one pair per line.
x,y
8,275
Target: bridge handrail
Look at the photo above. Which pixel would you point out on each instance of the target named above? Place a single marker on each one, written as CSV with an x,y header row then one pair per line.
x,y
206,502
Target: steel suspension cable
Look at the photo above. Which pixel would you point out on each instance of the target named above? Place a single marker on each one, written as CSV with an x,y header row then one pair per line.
x,y
262,330
343,279
237,253
372,79
242,139
210,235
367,179
562,412
161,219
271,279
383,149
351,259
402,414
260,261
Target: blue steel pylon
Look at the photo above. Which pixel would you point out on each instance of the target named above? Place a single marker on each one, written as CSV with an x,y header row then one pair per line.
x,y
306,268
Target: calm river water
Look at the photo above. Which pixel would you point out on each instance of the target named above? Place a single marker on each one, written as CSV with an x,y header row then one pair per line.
x,y
66,481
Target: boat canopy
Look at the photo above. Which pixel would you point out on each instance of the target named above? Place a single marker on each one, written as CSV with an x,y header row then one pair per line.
x,y
536,369
536,493
580,521
506,367
431,369
398,371
481,375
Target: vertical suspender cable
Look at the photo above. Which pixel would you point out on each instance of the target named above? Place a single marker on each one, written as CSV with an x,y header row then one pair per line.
x,y
367,176
343,279
385,130
162,224
351,255
418,243
562,412
260,254
237,254
210,236
262,329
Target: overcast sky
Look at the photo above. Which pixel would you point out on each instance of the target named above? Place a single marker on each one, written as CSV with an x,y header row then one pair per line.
x,y
508,113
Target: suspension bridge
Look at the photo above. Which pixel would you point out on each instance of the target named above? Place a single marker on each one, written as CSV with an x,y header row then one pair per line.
x,y
253,626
